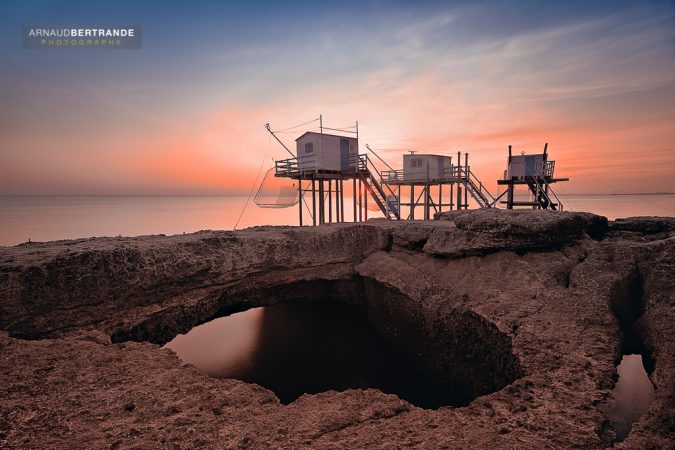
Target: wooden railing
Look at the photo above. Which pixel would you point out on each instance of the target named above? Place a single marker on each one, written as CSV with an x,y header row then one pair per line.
x,y
391,175
292,167
548,168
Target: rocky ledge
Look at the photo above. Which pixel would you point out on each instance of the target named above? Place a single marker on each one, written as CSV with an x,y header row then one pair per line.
x,y
525,312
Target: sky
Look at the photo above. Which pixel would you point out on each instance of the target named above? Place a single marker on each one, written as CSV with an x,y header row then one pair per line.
x,y
186,113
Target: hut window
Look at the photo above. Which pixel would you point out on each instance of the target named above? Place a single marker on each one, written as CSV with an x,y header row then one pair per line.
x,y
309,147
416,162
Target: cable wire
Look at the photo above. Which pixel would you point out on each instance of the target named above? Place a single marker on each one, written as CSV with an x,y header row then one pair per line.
x,y
255,183
340,129
297,126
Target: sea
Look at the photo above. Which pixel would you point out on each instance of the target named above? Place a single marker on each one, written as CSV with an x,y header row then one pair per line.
x,y
54,217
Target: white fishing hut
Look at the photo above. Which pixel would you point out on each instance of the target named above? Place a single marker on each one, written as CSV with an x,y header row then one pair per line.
x,y
426,167
323,152
521,166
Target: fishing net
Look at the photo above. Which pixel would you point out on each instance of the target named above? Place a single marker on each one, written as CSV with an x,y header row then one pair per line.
x,y
276,192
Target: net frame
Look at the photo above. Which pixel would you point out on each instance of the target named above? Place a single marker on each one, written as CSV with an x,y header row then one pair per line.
x,y
284,196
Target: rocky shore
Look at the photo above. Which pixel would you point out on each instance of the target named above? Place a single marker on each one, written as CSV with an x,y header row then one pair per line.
x,y
526,313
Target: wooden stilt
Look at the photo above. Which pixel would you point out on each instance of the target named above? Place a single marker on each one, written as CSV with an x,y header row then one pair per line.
x,y
365,200
300,198
466,198
330,201
313,202
440,197
354,191
459,196
337,201
322,218
342,200
360,200
466,177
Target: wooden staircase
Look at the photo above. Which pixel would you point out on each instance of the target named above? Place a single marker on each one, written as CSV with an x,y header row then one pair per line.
x,y
385,198
479,193
540,190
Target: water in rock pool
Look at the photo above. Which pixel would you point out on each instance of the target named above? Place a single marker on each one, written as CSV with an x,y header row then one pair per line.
x,y
301,348
633,394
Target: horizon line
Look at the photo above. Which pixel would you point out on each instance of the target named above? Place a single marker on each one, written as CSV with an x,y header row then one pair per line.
x,y
231,195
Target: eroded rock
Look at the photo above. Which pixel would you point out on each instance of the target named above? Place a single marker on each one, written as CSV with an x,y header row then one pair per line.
x,y
524,304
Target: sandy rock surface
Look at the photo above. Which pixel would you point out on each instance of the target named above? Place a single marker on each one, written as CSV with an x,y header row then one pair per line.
x,y
526,312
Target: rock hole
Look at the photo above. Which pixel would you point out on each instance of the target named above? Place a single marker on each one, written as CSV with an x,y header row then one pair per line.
x,y
633,394
633,391
338,334
298,348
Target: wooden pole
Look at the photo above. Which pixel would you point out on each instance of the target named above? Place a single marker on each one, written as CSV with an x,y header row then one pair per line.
x,y
342,201
313,202
509,194
357,139
452,185
360,200
545,160
466,198
322,216
412,202
461,182
330,201
267,126
354,192
300,197
337,200
440,197
459,196
426,202
321,132
466,174
365,200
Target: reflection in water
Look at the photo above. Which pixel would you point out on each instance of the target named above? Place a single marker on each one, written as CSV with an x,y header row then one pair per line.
x,y
633,394
305,348
223,345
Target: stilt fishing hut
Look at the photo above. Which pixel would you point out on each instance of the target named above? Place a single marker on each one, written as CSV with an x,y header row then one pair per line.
x,y
536,172
423,172
322,164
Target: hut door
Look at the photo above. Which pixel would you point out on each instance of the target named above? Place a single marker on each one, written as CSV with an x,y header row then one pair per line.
x,y
529,167
344,154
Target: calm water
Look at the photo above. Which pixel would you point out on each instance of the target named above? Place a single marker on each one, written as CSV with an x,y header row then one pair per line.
x,y
633,394
305,348
44,218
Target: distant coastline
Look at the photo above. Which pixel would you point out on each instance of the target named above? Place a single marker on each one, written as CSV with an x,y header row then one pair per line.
x,y
627,193
246,195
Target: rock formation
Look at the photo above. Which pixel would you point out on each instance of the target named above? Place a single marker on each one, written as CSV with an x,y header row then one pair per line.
x,y
526,313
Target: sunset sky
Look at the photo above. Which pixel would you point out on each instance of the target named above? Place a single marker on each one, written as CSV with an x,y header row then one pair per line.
x,y
186,113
